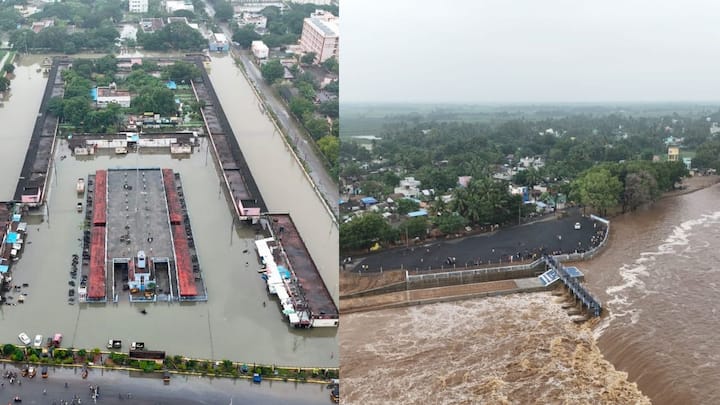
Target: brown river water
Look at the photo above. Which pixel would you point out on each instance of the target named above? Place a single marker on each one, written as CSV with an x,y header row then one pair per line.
x,y
234,324
658,278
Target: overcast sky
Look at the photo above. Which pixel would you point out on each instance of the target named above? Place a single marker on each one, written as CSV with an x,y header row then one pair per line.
x,y
496,51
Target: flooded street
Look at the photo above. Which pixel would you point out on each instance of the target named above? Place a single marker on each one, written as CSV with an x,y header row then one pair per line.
x,y
234,324
280,178
114,387
17,115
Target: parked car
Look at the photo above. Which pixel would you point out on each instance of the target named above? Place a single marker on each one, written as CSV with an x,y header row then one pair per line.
x,y
38,341
577,225
24,338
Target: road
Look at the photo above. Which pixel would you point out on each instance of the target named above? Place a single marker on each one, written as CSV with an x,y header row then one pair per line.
x,y
322,180
556,235
118,387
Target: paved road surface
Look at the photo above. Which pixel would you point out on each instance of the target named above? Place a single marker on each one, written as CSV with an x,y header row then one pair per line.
x,y
114,387
524,240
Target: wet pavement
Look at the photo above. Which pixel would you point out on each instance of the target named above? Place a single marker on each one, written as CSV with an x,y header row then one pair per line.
x,y
503,246
119,387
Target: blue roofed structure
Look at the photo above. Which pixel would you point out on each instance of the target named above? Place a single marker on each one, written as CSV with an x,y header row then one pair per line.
x,y
171,85
418,213
369,200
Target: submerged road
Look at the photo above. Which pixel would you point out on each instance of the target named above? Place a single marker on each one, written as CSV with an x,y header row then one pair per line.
x,y
317,170
117,387
555,235
326,185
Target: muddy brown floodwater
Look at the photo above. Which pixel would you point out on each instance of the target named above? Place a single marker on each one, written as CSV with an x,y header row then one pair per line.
x,y
658,278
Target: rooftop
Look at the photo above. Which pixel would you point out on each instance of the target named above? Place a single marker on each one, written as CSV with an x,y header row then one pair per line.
x,y
137,212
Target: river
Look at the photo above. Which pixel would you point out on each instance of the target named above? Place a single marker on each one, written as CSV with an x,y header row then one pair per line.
x,y
234,324
658,278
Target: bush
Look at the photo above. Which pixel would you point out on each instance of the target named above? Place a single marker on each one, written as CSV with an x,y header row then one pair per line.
x,y
9,350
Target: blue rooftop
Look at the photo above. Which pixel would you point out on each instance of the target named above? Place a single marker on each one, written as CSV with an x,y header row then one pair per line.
x,y
418,213
369,200
171,85
93,93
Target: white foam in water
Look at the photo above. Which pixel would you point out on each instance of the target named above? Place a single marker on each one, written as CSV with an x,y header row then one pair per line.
x,y
632,274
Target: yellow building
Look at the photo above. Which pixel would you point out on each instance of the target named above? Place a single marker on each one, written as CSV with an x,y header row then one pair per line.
x,y
673,154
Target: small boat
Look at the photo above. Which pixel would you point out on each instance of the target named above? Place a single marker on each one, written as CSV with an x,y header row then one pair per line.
x,y
32,371
84,373
80,185
44,372
79,207
166,377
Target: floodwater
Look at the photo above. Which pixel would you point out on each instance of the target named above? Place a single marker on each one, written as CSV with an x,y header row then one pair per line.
x,y
658,279
518,349
280,178
121,387
233,324
17,115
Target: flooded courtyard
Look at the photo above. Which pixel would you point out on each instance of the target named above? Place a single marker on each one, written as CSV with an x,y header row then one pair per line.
x,y
240,321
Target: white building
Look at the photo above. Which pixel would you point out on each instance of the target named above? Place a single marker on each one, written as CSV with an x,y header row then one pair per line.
x,y
172,6
259,49
110,94
409,187
321,34
247,18
138,6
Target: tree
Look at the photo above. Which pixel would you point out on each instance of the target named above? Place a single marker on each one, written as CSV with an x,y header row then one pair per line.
x,y
55,106
107,65
75,110
373,188
363,231
300,106
9,349
450,223
414,227
223,11
176,35
330,148
159,100
245,36
308,58
272,70
181,72
317,127
640,188
406,205
306,90
185,13
9,68
332,65
330,108
333,87
599,189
